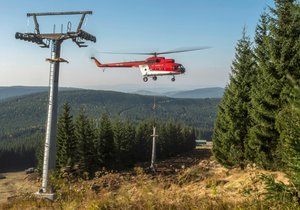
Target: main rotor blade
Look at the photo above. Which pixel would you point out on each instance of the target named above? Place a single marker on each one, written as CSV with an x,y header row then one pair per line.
x,y
183,50
130,53
179,50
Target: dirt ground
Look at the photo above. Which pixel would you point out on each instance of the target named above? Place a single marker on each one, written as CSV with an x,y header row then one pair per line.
x,y
14,183
174,165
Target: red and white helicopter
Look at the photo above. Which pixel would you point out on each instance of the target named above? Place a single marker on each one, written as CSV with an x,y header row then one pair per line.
x,y
153,66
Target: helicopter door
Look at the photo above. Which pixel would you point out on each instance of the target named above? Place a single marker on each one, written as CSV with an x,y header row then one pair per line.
x,y
144,70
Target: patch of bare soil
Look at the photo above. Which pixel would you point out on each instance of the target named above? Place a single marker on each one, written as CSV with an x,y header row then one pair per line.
x,y
174,165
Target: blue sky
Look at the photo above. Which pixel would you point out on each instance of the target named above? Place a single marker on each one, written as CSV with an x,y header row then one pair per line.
x,y
132,25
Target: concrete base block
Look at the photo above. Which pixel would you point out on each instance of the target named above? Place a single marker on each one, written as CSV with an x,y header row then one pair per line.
x,y
49,196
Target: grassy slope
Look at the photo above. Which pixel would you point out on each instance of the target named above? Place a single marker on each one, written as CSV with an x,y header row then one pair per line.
x,y
14,183
194,181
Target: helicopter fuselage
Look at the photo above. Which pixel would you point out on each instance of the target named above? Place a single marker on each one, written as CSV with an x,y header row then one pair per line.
x,y
151,67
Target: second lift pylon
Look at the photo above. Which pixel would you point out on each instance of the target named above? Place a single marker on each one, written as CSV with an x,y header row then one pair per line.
x,y
154,135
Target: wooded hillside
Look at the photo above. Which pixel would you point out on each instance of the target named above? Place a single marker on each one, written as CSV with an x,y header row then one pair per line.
x,y
22,119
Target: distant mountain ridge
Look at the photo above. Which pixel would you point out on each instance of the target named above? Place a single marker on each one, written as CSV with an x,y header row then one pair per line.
x,y
13,91
147,93
214,92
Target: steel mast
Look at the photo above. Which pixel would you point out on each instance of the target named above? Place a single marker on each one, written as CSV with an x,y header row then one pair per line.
x,y
56,40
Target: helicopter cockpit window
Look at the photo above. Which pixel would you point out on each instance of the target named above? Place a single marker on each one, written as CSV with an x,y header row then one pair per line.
x,y
181,68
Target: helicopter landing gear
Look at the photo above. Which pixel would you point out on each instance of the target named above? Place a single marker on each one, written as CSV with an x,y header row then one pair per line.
x,y
173,79
145,79
154,78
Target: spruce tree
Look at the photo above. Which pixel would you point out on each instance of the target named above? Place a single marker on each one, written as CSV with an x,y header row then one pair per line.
x,y
143,141
129,143
118,138
286,56
285,28
184,143
277,55
166,137
124,138
162,145
91,151
288,119
188,141
66,141
104,143
175,137
85,135
289,127
263,136
192,140
236,107
222,131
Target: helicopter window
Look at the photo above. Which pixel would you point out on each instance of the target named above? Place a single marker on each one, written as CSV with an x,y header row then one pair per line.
x,y
151,61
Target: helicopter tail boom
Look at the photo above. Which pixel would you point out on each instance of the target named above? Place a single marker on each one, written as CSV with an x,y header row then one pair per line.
x,y
118,65
96,62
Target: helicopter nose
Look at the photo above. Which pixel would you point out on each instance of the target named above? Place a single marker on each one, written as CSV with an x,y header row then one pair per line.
x,y
182,69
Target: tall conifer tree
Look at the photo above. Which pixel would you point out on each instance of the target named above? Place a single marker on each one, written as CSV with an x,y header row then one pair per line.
x,y
124,138
285,51
85,135
104,143
236,105
143,141
66,141
221,144
288,119
263,136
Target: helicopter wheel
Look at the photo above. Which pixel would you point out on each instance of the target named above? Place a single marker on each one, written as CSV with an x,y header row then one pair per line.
x,y
173,79
145,79
154,78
